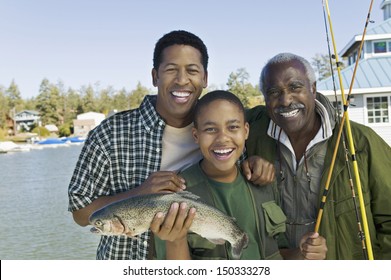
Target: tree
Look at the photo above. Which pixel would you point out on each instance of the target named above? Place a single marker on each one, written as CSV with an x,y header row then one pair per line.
x,y
48,103
321,63
41,131
4,108
88,99
137,95
64,130
105,100
238,84
14,98
121,100
73,103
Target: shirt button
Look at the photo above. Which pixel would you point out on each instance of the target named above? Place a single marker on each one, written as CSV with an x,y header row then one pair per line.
x,y
157,150
145,243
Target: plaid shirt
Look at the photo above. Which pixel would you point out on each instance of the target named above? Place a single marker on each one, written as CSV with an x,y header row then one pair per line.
x,y
119,155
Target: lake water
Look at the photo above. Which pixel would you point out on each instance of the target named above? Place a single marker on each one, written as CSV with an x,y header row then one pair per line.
x,y
34,220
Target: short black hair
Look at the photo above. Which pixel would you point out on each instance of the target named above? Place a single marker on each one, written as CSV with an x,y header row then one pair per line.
x,y
180,37
217,95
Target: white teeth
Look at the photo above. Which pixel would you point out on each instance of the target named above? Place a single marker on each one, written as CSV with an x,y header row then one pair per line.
x,y
180,93
225,151
290,114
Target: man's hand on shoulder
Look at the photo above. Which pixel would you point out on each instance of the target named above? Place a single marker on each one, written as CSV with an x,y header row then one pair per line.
x,y
258,170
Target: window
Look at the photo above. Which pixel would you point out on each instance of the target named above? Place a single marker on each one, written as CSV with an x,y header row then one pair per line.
x,y
353,57
338,105
377,108
380,47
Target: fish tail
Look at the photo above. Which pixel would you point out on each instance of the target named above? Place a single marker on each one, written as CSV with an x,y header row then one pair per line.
x,y
238,247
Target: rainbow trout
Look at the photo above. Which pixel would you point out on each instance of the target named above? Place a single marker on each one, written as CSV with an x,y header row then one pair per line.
x,y
134,215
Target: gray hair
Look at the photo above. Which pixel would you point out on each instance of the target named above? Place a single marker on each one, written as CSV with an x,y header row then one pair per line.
x,y
287,57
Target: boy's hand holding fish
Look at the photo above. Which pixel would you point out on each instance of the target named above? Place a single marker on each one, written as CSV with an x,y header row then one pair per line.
x,y
175,225
173,228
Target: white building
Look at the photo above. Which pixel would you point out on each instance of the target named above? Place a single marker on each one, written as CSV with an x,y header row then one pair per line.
x,y
86,122
371,93
25,119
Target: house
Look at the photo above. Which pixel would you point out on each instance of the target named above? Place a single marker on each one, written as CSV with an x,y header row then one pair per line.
x,y
25,119
86,122
10,124
52,128
112,113
370,101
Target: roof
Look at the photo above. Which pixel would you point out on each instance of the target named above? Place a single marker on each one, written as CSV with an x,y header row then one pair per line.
x,y
30,112
381,30
51,127
374,72
84,122
91,115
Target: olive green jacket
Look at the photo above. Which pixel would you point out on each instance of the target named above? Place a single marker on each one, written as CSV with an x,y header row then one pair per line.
x,y
270,222
338,224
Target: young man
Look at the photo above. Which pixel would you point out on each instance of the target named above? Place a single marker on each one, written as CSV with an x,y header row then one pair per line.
x,y
298,132
122,157
220,130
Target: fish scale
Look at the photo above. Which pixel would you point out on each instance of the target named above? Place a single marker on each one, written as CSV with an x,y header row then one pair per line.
x,y
133,216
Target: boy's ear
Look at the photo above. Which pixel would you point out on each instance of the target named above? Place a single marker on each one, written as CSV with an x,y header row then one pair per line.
x,y
195,134
247,129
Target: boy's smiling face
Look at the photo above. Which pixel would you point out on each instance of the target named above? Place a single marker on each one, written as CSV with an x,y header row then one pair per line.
x,y
221,134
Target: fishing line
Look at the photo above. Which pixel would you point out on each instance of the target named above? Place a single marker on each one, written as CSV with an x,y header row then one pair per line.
x,y
363,236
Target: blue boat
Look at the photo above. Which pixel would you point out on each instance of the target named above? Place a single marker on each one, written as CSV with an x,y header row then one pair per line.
x,y
51,141
75,139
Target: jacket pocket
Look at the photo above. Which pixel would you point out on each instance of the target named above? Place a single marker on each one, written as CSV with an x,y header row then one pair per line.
x,y
202,249
274,218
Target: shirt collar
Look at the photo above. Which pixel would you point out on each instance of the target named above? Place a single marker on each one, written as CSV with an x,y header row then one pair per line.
x,y
325,130
148,113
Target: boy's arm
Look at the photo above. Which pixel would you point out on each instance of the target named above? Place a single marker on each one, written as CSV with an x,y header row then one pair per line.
x,y
177,250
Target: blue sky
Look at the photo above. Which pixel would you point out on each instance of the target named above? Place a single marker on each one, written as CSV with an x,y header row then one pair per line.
x,y
110,43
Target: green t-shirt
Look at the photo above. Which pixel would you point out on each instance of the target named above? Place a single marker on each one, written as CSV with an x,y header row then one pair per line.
x,y
234,199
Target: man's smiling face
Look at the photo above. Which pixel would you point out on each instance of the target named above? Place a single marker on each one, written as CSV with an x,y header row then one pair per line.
x,y
180,80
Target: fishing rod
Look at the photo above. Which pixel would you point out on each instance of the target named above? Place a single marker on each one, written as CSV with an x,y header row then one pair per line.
x,y
338,118
364,236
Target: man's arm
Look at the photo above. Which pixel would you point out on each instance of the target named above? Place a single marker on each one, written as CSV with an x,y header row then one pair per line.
x,y
258,170
160,181
378,154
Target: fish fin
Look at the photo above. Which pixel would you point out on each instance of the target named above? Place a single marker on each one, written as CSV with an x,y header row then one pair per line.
x,y
217,241
189,195
237,248
118,225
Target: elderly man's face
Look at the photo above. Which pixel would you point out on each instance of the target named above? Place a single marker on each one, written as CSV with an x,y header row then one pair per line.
x,y
289,96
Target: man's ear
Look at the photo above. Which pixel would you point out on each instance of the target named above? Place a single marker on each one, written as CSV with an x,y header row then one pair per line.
x,y
314,88
205,85
154,77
